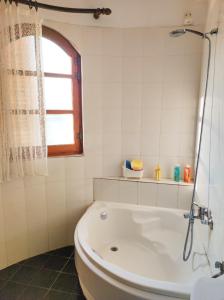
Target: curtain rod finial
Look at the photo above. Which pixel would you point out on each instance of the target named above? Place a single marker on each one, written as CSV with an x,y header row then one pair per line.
x,y
101,11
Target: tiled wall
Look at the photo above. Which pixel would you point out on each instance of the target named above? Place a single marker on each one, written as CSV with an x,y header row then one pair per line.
x,y
211,175
140,94
143,193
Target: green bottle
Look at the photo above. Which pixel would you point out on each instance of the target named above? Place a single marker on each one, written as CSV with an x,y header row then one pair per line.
x,y
177,173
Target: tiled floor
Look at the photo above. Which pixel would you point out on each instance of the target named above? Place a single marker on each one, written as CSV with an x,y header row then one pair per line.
x,y
50,276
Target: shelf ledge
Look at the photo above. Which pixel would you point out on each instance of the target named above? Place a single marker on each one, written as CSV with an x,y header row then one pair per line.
x,y
149,180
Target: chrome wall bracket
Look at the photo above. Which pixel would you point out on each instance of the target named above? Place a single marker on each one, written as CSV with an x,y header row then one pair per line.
x,y
219,265
203,214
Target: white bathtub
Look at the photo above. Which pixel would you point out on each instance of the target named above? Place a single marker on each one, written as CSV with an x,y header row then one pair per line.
x,y
148,261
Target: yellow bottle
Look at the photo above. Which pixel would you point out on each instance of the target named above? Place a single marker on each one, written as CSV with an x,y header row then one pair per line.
x,y
157,172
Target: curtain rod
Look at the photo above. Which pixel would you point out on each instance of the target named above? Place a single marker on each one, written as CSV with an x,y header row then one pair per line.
x,y
95,11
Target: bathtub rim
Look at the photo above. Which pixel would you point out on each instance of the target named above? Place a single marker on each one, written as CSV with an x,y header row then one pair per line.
x,y
133,280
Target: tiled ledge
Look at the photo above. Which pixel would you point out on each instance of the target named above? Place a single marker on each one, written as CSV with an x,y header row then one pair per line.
x,y
149,180
165,193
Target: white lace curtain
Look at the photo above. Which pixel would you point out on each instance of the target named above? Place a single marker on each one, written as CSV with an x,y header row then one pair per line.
x,y
23,148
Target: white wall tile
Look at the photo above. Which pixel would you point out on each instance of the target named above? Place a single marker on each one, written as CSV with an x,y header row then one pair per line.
x,y
131,120
154,41
132,42
92,68
131,144
92,143
14,206
167,196
185,197
128,192
170,145
153,69
151,119
36,213
112,41
35,180
92,120
89,191
132,69
106,190
182,67
92,41
187,144
112,120
150,144
74,168
132,96
112,143
91,96
188,121
111,69
112,165
93,166
76,204
112,95
56,169
170,121
147,194
56,209
173,95
152,96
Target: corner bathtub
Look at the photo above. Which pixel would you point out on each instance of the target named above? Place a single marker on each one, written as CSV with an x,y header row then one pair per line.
x,y
130,252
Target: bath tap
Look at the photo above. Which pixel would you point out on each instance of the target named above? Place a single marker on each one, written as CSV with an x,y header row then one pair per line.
x,y
204,214
219,265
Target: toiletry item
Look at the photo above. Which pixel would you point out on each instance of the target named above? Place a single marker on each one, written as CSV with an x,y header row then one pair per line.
x,y
127,164
177,173
137,165
129,173
187,173
157,172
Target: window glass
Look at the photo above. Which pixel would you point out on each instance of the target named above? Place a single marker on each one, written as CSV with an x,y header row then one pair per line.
x,y
58,93
60,129
55,59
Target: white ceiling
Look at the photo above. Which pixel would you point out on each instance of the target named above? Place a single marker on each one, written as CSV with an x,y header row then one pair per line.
x,y
132,13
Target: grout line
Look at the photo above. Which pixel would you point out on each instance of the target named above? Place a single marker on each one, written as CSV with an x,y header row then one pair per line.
x,y
39,269
56,278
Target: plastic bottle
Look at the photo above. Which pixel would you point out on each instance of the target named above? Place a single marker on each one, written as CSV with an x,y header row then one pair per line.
x,y
157,172
177,173
187,174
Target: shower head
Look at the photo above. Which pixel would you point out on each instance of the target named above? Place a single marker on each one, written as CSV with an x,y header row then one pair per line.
x,y
179,32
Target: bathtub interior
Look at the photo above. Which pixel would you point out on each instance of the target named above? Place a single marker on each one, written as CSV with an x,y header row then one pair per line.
x,y
144,241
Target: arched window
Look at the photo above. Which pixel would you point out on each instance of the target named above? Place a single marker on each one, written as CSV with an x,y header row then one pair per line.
x,y
62,86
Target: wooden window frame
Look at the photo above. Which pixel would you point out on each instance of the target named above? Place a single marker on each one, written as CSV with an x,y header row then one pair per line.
x,y
77,147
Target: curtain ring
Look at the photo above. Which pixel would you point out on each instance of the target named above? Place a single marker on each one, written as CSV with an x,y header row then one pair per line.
x,y
30,4
36,5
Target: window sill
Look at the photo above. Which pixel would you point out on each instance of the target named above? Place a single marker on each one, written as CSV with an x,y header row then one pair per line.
x,y
67,156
